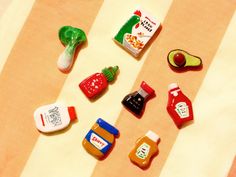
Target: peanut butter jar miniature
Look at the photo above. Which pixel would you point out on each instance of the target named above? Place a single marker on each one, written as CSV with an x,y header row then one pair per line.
x,y
145,148
100,139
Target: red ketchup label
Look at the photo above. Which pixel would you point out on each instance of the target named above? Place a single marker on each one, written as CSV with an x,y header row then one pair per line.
x,y
179,106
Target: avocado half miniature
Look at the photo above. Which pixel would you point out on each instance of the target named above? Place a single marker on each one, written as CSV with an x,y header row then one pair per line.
x,y
180,59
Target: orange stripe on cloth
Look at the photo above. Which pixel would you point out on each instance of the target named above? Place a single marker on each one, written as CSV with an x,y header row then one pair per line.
x,y
232,172
197,27
30,77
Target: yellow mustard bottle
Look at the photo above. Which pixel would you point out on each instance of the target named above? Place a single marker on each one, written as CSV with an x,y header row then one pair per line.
x,y
145,148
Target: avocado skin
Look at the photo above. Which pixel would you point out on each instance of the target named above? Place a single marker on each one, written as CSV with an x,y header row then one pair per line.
x,y
191,60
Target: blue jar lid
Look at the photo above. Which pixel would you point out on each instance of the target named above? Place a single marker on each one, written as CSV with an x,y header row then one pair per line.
x,y
102,123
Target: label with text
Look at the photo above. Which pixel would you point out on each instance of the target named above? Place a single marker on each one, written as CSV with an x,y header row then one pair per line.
x,y
97,141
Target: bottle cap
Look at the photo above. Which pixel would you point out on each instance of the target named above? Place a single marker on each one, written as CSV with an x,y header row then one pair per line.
x,y
108,127
173,86
147,88
110,73
153,136
72,114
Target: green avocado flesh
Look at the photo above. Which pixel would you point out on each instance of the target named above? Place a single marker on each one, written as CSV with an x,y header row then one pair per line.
x,y
190,59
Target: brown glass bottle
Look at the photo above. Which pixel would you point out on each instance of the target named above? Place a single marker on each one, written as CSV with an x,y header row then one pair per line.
x,y
135,101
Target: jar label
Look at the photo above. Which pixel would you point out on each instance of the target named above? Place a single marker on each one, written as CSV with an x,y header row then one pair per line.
x,y
182,110
97,141
143,151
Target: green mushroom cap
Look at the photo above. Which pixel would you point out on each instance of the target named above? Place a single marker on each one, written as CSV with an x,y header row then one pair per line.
x,y
110,73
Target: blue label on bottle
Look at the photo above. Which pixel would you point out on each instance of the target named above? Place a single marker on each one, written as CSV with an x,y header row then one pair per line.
x,y
97,141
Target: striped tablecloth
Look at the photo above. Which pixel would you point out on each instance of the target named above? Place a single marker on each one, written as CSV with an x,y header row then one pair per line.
x,y
29,78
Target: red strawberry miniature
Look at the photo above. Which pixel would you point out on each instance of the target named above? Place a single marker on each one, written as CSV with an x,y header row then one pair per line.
x,y
98,82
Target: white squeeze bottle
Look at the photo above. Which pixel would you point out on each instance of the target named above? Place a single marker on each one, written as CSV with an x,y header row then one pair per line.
x,y
53,117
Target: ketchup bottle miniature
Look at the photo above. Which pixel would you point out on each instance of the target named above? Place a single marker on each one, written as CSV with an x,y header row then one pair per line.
x,y
53,117
135,102
98,82
179,106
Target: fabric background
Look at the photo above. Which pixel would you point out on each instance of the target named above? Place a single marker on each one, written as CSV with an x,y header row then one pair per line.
x,y
29,48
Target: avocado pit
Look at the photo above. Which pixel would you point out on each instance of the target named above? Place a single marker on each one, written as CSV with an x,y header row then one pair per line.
x,y
179,59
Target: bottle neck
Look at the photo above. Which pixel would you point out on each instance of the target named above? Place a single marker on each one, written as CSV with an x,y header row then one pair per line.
x,y
152,136
143,93
175,92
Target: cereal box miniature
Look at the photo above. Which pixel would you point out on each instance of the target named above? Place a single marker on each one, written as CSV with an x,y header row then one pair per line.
x,y
136,32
